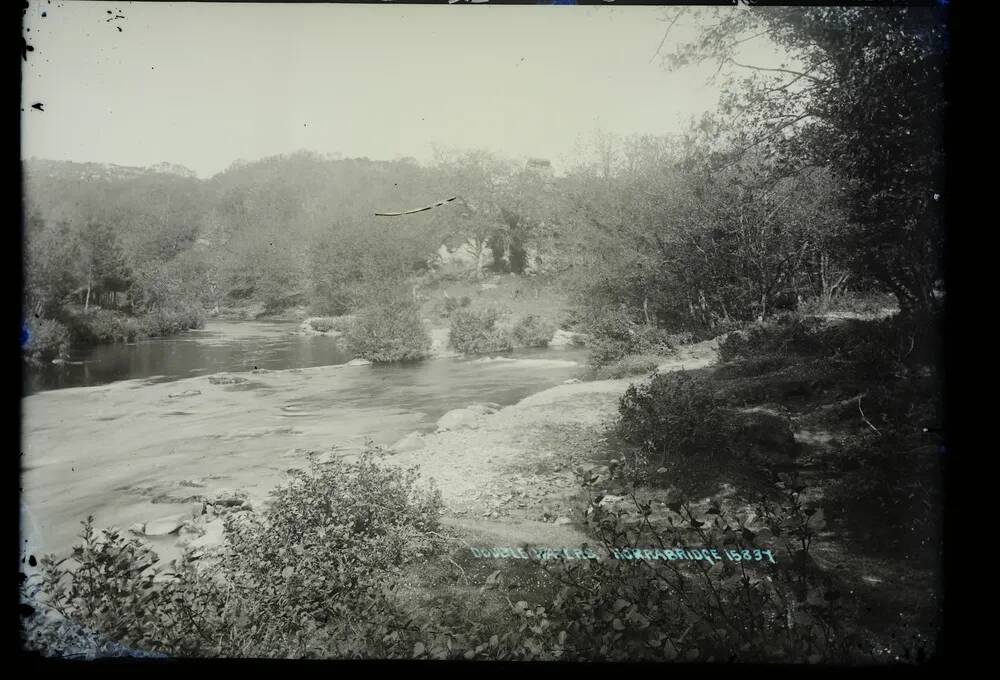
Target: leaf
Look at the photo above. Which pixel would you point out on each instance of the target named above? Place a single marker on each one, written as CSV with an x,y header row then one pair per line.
x,y
617,624
418,649
619,605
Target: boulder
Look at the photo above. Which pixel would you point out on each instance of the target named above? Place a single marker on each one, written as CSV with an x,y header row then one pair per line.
x,y
166,525
410,442
185,393
139,529
464,417
571,381
358,362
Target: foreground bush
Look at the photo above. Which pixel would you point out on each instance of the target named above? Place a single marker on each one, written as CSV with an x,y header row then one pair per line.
x,y
312,576
389,331
47,339
674,418
476,332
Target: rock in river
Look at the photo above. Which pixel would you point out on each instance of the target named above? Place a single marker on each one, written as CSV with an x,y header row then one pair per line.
x,y
226,379
358,362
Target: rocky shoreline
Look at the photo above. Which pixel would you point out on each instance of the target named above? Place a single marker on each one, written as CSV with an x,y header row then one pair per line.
x,y
506,471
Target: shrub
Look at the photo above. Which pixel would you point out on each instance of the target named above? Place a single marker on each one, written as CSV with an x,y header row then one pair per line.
x,y
673,418
46,339
163,322
533,331
664,610
389,331
312,573
615,335
786,334
324,324
451,304
626,366
476,332
312,576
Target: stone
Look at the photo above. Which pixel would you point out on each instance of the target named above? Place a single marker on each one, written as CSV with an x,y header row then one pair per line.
x,y
410,442
358,362
459,418
185,393
571,381
165,525
139,529
226,379
610,500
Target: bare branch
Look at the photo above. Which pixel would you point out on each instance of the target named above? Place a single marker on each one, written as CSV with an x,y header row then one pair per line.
x,y
665,34
777,70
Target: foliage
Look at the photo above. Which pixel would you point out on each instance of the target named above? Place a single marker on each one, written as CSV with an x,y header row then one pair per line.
x,y
614,336
633,364
476,331
787,334
312,576
864,98
451,304
533,331
389,330
47,339
674,418
324,324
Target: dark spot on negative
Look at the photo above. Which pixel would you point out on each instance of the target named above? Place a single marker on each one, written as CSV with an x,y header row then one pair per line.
x,y
38,105
32,561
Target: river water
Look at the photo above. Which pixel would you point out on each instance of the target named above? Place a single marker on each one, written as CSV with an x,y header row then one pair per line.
x,y
132,431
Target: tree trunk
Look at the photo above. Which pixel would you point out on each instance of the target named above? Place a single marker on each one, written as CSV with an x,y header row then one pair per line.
x,y
86,302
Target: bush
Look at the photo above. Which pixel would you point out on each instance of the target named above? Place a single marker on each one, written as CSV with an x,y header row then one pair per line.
x,y
476,332
162,322
389,331
673,418
786,334
452,304
312,576
533,331
46,339
614,336
626,366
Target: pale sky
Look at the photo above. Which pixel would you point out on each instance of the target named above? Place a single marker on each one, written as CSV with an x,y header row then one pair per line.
x,y
204,84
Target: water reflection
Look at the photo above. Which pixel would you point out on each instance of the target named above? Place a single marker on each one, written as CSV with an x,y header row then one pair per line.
x,y
218,347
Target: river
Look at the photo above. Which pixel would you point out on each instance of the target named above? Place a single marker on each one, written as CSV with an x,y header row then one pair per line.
x,y
135,430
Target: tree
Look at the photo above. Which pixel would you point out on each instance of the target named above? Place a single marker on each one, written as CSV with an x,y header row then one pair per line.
x,y
864,98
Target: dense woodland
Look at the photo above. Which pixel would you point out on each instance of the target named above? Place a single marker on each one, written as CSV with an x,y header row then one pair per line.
x,y
812,181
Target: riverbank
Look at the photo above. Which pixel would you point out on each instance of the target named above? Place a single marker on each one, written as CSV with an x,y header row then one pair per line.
x,y
141,451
